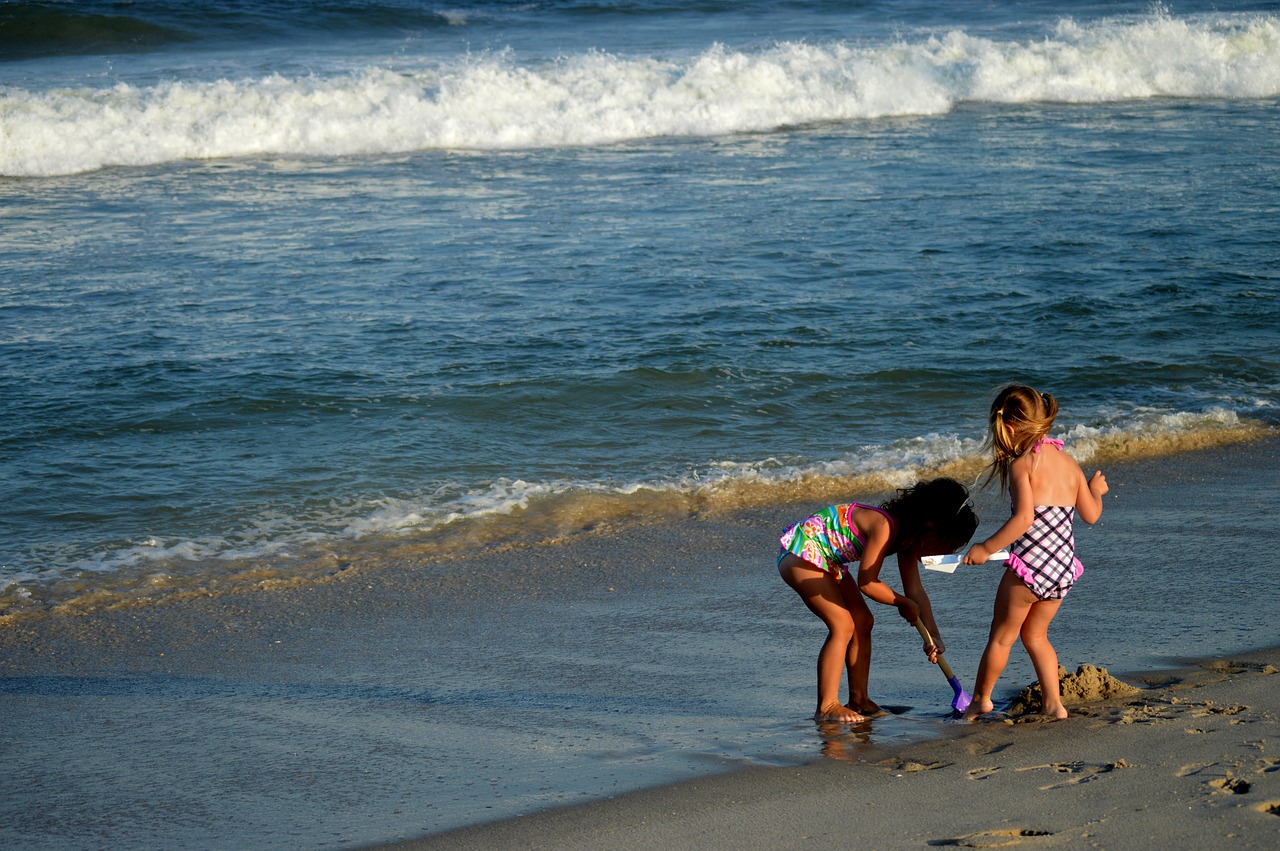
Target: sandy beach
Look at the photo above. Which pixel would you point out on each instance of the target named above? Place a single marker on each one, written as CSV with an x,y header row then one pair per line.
x,y
1192,760
649,687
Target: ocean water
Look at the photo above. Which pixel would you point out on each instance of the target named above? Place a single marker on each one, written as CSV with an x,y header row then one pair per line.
x,y
295,286
292,282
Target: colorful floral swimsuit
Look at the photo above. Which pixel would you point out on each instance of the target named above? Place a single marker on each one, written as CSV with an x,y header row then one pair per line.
x,y
828,540
1044,558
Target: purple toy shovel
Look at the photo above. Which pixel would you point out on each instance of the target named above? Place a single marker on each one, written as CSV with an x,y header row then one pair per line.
x,y
962,699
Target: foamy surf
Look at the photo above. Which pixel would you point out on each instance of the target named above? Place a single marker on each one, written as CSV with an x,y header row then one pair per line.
x,y
512,513
497,102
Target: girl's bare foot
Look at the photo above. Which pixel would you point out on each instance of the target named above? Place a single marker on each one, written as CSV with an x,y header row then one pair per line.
x,y
868,708
978,707
837,712
1059,712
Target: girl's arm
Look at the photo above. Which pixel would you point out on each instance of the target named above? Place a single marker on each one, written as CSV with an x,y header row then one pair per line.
x,y
909,568
869,581
1024,512
1089,497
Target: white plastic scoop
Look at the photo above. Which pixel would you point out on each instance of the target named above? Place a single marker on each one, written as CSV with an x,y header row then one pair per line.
x,y
949,563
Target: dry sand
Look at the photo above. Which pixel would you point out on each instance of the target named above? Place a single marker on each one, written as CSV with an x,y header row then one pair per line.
x,y
1190,760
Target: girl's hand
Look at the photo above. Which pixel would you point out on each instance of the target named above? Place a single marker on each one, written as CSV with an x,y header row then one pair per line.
x,y
978,554
933,651
1098,484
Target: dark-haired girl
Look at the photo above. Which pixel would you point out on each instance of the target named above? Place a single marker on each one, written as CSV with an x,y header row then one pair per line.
x,y
929,518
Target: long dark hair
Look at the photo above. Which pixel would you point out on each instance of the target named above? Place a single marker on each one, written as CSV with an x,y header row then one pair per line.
x,y
937,510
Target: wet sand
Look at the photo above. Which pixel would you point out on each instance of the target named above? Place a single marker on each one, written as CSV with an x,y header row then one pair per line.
x,y
1191,760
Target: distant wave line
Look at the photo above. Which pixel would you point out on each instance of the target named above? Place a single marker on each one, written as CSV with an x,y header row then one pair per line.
x,y
491,102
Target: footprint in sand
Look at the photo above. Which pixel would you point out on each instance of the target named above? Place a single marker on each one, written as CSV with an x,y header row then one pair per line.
x,y
1272,807
1193,768
982,773
986,749
1210,709
910,766
990,838
1234,785
1146,713
1080,772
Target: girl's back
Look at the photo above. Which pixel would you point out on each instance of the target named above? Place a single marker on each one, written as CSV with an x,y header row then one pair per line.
x,y
1056,479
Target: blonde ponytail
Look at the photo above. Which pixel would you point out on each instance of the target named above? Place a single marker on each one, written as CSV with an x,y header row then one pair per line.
x,y
1020,416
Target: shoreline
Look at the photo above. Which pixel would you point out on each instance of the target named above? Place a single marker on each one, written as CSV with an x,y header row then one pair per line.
x,y
1194,757
556,518
426,700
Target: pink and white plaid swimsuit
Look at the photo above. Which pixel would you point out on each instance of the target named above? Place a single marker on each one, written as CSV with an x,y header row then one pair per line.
x,y
1044,558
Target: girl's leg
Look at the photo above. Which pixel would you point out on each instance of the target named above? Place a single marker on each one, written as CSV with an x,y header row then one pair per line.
x,y
1013,602
858,657
1035,637
821,594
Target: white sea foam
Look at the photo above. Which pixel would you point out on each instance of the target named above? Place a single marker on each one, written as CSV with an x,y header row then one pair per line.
x,y
1152,426
495,102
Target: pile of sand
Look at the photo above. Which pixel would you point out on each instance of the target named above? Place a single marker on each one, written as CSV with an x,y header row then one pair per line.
x,y
1087,683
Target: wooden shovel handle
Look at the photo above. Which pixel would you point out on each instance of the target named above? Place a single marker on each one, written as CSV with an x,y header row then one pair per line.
x,y
928,639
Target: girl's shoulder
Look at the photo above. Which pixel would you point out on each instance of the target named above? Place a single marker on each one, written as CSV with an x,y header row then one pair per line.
x,y
868,517
862,510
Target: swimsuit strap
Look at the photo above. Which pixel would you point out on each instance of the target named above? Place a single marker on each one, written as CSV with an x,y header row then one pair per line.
x,y
1042,441
893,527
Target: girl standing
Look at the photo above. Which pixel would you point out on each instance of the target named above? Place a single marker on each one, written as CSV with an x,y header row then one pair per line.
x,y
1047,490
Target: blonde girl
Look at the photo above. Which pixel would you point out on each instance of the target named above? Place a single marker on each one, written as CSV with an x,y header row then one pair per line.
x,y
1047,490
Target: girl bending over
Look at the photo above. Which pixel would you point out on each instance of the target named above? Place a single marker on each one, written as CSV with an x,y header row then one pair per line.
x,y
929,518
